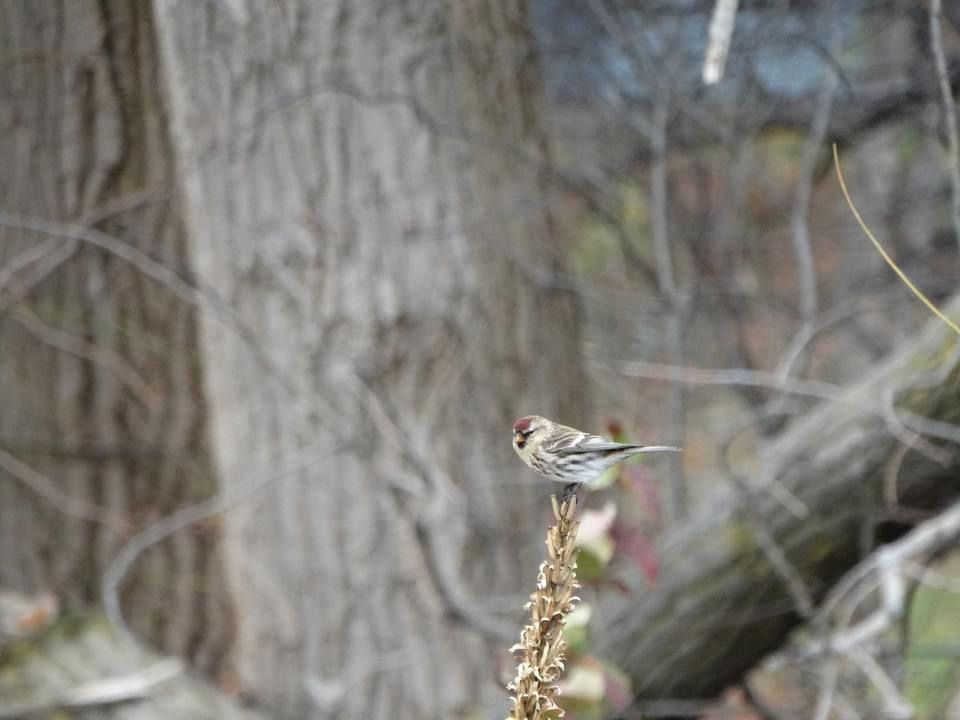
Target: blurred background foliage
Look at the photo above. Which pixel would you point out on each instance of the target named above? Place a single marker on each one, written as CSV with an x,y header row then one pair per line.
x,y
749,198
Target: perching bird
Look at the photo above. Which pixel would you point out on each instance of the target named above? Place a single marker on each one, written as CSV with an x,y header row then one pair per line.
x,y
570,456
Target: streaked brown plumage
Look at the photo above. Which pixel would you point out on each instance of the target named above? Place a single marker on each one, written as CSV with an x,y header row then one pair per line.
x,y
570,456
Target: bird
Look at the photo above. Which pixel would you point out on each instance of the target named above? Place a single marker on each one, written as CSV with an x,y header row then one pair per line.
x,y
570,456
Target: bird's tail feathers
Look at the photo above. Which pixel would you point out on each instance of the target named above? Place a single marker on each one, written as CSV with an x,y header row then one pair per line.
x,y
657,448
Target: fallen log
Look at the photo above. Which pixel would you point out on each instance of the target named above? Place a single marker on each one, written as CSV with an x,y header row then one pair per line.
x,y
723,601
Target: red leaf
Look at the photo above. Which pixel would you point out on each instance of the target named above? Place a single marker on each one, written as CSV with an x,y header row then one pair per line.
x,y
614,428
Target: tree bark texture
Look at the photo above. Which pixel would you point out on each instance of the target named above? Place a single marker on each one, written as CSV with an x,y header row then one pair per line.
x,y
364,184
102,424
721,605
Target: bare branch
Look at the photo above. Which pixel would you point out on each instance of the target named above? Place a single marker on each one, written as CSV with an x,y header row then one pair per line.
x,y
124,250
189,292
433,487
895,706
949,109
826,458
721,32
829,674
107,691
44,258
126,374
888,566
28,257
756,523
42,486
260,479
673,324
800,231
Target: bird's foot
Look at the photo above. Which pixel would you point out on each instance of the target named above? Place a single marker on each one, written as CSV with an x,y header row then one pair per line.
x,y
569,490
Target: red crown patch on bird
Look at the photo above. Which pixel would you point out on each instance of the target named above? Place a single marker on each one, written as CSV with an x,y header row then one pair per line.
x,y
522,425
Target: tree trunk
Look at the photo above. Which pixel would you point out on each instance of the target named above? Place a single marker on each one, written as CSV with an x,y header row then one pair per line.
x,y
101,429
365,188
720,605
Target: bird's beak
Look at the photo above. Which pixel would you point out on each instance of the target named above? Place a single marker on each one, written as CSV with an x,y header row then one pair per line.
x,y
519,440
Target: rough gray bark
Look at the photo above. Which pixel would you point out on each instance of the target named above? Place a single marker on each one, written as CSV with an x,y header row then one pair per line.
x,y
720,605
102,429
364,186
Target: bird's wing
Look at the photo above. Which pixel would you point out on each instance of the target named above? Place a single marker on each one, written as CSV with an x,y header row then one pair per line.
x,y
567,440
595,443
584,443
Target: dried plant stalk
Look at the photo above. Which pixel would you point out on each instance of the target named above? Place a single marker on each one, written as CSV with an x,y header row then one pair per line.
x,y
541,647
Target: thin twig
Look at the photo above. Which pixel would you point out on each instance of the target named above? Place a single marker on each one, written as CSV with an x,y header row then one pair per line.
x,y
44,487
792,579
829,674
800,230
721,32
805,388
949,110
274,470
886,256
28,270
889,565
184,289
105,357
105,691
432,487
672,321
895,705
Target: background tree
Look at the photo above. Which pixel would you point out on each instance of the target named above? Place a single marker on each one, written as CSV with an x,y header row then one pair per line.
x,y
363,184
364,211
103,430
